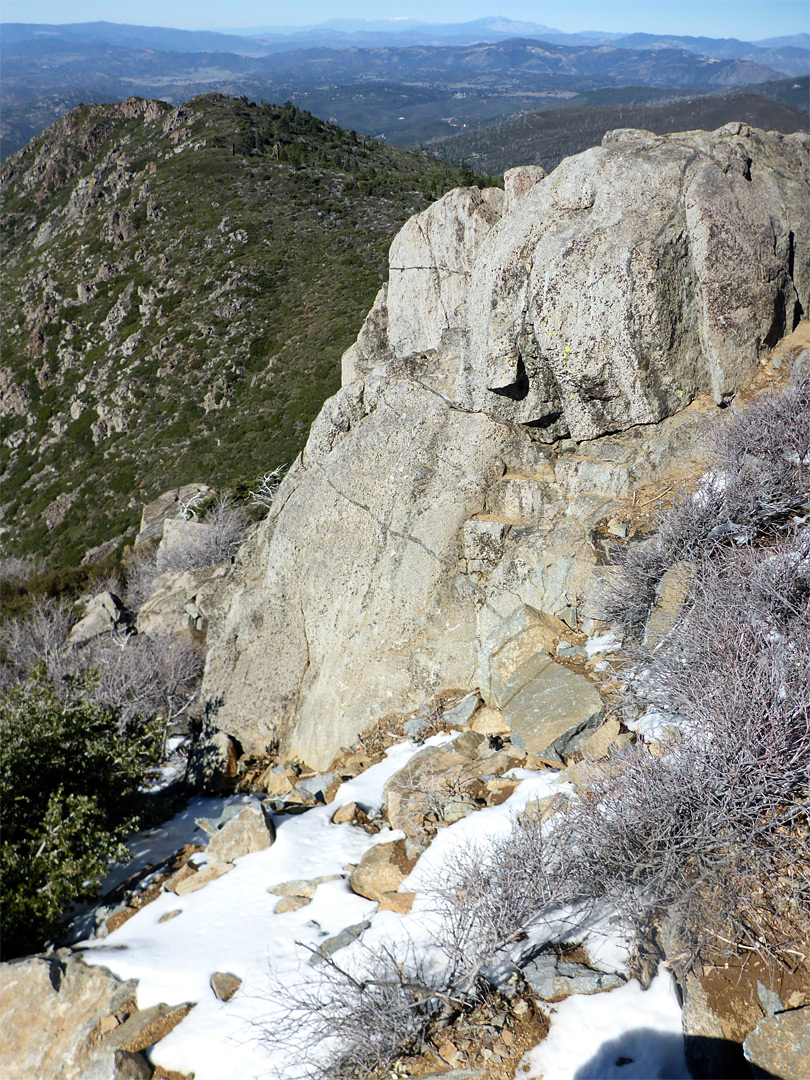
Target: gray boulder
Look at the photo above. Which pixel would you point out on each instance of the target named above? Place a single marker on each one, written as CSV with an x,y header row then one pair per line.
x,y
439,496
780,1045
104,615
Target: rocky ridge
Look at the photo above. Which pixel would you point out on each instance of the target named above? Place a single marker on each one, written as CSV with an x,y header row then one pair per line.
x,y
541,365
149,335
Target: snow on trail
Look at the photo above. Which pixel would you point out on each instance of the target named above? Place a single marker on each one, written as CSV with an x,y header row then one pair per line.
x,y
624,1034
231,925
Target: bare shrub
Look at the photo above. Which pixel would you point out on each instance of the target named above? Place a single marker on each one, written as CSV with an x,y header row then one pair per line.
x,y
267,488
717,829
216,538
141,571
344,1025
17,569
39,637
712,831
491,896
136,676
758,479
146,676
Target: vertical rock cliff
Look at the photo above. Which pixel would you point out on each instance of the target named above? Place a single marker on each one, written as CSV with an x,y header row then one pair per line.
x,y
538,356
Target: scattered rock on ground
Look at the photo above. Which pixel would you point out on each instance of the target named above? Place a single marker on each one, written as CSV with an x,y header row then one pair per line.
x,y
382,869
250,831
225,984
553,978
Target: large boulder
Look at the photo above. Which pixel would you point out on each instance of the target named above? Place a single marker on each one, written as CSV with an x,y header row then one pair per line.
x,y
440,496
620,287
66,1020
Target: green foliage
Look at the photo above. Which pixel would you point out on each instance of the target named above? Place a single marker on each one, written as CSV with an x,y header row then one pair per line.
x,y
240,304
69,788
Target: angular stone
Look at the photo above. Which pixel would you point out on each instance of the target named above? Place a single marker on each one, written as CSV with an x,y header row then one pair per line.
x,y
428,782
331,945
382,869
185,871
225,984
457,808
200,878
670,599
164,507
53,1010
302,888
275,781
606,740
547,806
96,623
459,714
182,601
780,1045
399,902
250,831
322,786
128,1066
65,1020
488,721
551,707
553,979
345,814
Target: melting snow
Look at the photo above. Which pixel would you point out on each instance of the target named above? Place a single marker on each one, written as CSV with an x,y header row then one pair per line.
x,y
231,925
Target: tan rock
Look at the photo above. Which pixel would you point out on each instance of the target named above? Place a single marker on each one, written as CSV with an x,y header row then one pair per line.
x,y
225,984
400,902
489,721
61,1021
292,903
670,598
276,781
780,1045
546,807
187,870
426,785
345,814
429,432
302,888
250,831
166,507
606,740
381,870
498,791
202,877
546,705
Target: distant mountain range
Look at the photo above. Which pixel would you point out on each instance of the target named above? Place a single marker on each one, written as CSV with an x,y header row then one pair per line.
x,y
405,82
389,33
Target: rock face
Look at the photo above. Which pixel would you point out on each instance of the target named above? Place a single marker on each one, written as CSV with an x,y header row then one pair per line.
x,y
536,357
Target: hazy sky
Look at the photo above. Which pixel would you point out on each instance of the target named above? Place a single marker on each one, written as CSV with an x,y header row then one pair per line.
x,y
747,19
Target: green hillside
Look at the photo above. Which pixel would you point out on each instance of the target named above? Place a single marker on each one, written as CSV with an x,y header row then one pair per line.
x,y
546,137
178,287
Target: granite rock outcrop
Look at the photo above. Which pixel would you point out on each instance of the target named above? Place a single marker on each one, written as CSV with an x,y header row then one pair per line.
x,y
538,359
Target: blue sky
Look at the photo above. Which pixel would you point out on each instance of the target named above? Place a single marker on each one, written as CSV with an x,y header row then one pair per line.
x,y
747,19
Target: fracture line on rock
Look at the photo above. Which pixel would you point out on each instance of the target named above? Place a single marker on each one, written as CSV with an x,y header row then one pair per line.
x,y
387,528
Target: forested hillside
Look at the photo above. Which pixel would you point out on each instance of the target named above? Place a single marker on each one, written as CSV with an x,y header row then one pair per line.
x,y
179,285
